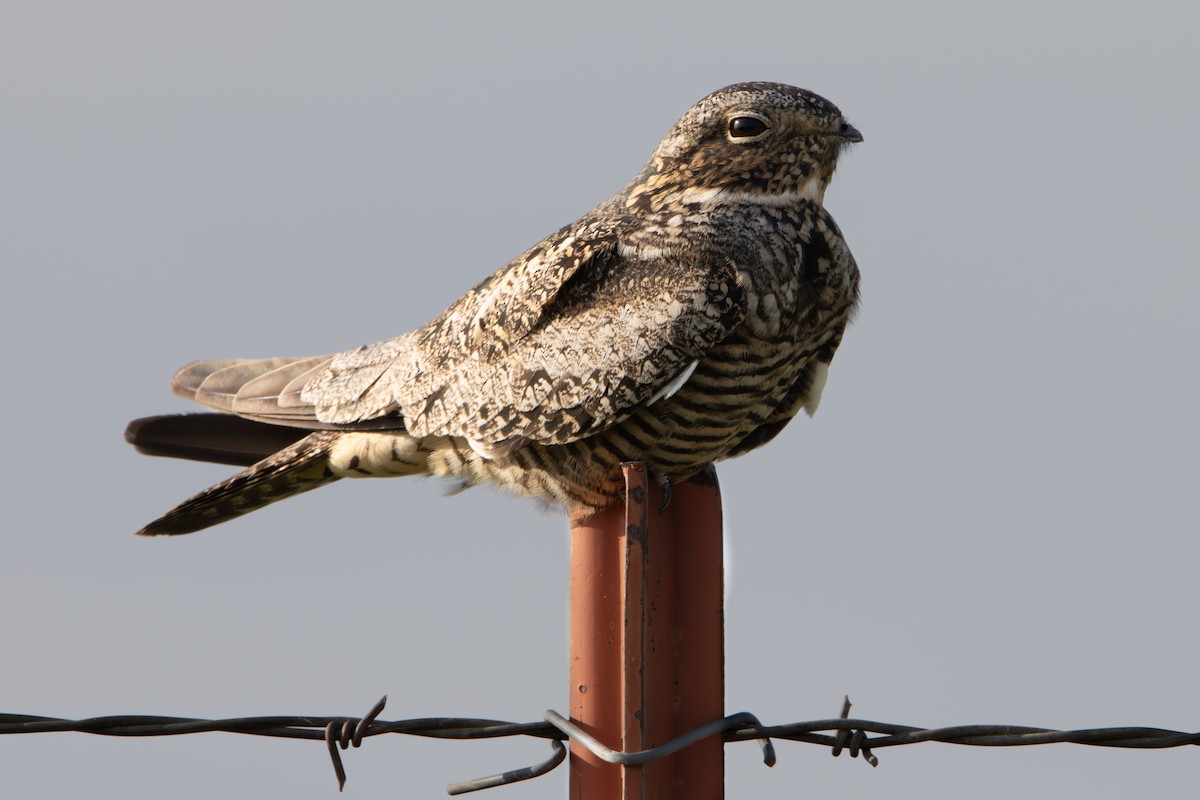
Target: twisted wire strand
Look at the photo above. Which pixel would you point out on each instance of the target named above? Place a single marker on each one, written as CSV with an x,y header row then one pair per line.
x,y
839,733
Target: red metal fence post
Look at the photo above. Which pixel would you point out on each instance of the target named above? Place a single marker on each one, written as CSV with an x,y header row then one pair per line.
x,y
647,639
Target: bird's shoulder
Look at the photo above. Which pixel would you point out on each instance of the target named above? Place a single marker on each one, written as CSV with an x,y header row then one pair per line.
x,y
498,311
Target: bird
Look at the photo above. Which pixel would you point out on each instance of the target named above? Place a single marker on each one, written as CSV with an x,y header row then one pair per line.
x,y
684,320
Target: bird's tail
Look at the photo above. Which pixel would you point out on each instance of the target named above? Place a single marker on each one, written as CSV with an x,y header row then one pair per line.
x,y
220,438
297,468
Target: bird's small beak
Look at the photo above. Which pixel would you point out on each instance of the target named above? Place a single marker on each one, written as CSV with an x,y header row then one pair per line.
x,y
848,132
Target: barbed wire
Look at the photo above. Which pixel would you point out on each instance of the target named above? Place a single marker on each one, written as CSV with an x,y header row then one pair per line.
x,y
845,734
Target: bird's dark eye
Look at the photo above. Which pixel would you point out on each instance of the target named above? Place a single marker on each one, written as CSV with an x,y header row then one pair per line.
x,y
746,127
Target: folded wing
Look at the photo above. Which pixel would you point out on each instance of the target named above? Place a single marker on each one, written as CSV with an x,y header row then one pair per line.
x,y
564,342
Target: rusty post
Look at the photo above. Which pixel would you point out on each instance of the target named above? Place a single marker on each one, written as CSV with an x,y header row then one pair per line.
x,y
647,639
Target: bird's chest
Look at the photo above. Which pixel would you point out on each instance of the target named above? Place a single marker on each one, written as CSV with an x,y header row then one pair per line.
x,y
799,280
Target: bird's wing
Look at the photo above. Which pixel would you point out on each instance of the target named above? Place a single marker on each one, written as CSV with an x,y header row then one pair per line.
x,y
561,343
264,390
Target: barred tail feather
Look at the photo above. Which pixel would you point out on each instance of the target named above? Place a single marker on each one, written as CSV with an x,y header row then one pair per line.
x,y
297,468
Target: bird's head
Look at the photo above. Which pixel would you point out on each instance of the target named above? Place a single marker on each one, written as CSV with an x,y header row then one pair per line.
x,y
758,142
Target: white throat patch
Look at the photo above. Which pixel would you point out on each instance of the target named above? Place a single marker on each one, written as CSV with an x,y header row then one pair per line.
x,y
812,190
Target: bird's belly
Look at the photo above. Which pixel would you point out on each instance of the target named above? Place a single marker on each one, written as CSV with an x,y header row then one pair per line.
x,y
730,394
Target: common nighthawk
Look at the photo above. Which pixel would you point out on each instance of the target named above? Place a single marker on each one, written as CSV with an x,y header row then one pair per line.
x,y
686,319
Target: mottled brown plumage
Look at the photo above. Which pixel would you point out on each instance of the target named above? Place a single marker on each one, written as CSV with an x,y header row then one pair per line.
x,y
686,319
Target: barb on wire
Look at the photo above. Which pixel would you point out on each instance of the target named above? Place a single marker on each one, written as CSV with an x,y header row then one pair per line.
x,y
856,739
840,733
350,733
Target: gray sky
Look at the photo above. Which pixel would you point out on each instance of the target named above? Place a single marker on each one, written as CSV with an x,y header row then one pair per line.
x,y
991,519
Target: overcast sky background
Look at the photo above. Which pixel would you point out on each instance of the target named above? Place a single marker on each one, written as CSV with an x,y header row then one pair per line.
x,y
992,519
